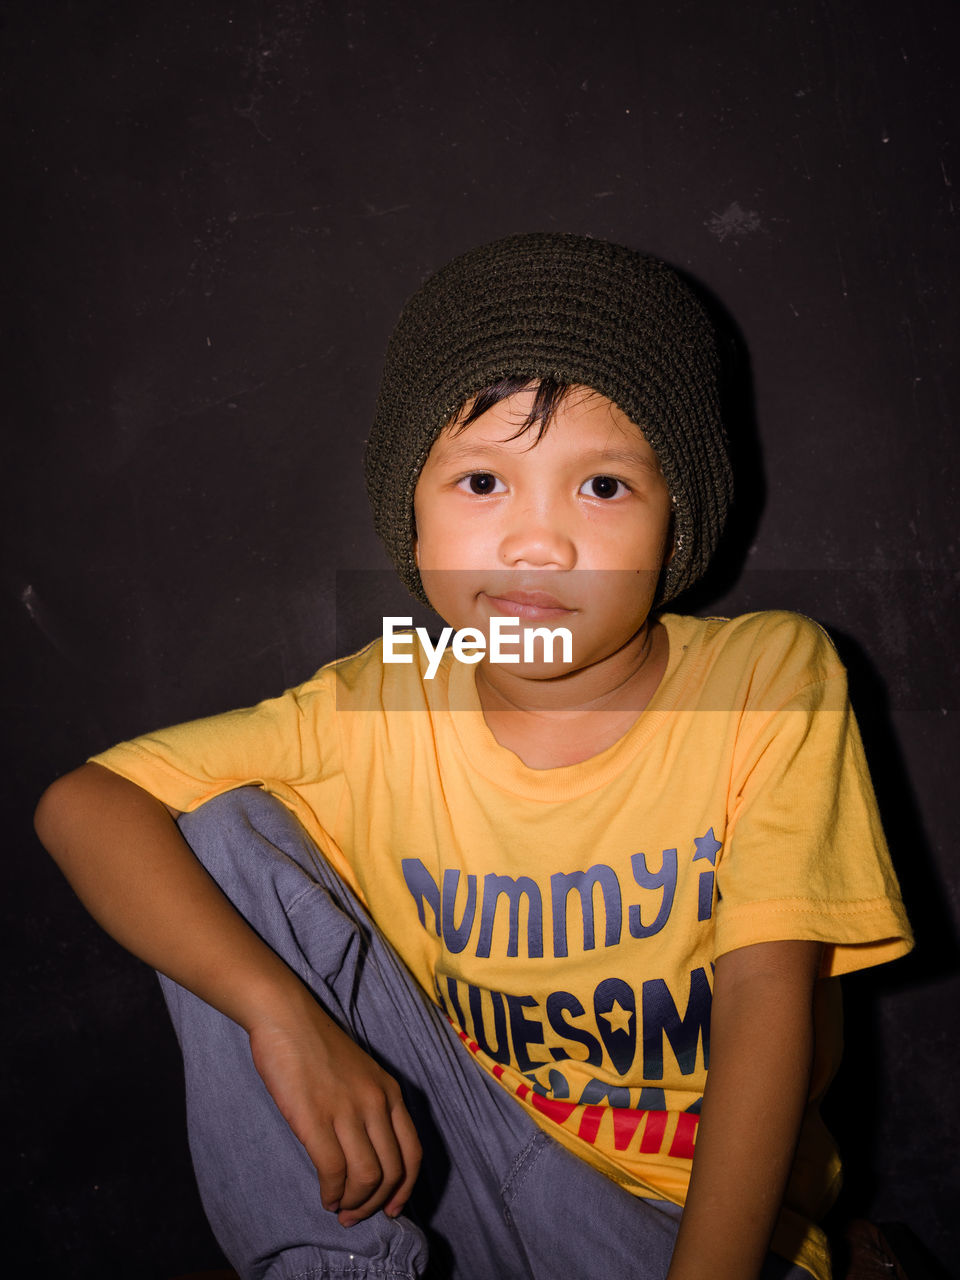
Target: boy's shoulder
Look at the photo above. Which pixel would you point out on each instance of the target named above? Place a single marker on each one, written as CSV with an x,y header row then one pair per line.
x,y
764,628
374,679
771,649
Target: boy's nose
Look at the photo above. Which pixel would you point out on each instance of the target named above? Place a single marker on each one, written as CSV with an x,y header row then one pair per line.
x,y
535,542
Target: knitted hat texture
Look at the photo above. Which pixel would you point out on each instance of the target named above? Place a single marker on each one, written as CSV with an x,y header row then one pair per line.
x,y
578,310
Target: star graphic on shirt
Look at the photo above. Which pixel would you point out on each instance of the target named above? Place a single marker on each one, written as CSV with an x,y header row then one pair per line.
x,y
618,1017
708,847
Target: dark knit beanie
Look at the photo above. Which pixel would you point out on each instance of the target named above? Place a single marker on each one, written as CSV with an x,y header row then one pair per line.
x,y
577,310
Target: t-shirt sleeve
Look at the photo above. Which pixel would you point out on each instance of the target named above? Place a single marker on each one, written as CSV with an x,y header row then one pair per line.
x,y
805,856
278,744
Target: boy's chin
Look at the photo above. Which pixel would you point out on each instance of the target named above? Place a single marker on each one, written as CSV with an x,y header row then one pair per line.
x,y
529,675
539,671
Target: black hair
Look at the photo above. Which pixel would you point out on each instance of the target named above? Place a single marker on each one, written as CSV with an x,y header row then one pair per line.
x,y
550,394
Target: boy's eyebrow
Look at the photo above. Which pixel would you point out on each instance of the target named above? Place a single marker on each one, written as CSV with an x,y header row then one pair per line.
x,y
630,457
455,451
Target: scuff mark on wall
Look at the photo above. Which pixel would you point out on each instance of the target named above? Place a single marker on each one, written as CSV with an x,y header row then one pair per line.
x,y
734,221
39,617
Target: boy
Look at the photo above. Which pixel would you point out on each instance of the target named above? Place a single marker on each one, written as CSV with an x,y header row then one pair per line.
x,y
610,867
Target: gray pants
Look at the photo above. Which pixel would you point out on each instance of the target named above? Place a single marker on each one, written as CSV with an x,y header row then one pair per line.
x,y
496,1197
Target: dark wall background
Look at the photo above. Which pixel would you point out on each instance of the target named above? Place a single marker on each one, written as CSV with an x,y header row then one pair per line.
x,y
214,211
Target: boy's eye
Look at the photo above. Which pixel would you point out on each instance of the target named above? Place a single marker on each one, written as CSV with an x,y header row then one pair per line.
x,y
603,487
480,482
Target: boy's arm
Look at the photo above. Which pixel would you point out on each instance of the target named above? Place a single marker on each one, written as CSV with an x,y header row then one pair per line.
x,y
124,855
761,1048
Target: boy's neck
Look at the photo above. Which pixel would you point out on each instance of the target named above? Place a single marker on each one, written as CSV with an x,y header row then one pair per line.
x,y
552,723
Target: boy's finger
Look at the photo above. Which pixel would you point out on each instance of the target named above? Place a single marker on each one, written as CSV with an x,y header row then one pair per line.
x,y
388,1151
411,1153
364,1171
390,1163
331,1166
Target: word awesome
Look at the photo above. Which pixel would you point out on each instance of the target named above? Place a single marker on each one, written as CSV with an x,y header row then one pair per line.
x,y
469,644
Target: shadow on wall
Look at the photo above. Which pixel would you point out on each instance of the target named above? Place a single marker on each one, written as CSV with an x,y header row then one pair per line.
x,y
858,1103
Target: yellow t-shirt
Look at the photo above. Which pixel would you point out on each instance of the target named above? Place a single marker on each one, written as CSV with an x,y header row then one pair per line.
x,y
567,919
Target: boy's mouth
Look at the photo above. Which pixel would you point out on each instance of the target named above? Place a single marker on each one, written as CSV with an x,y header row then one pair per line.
x,y
535,605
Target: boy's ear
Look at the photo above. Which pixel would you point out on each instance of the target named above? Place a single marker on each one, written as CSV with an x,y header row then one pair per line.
x,y
416,551
671,536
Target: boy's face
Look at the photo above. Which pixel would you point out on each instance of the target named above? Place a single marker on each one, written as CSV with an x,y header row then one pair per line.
x,y
571,531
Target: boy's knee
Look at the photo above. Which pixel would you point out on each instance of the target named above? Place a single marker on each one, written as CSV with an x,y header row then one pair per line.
x,y
243,808
246,839
273,873
238,818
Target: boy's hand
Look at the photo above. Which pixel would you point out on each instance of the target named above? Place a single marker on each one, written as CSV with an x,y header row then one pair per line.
x,y
345,1109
